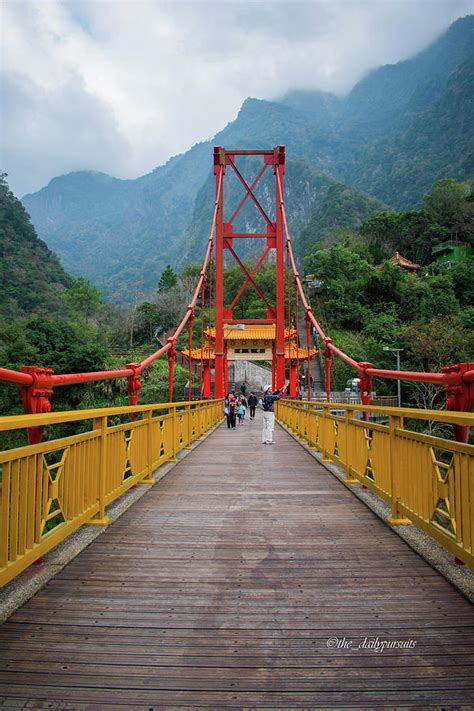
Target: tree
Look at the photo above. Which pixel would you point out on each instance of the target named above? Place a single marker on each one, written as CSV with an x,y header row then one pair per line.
x,y
83,298
147,319
168,279
439,298
447,205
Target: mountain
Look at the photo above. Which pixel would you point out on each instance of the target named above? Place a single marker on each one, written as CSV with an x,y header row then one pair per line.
x,y
400,129
316,203
117,231
31,276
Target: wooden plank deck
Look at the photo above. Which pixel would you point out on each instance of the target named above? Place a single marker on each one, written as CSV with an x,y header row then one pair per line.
x,y
221,588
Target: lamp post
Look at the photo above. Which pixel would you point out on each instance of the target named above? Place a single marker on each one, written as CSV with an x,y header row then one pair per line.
x,y
397,352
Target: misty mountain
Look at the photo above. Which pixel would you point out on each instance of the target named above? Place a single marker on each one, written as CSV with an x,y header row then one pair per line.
x,y
401,128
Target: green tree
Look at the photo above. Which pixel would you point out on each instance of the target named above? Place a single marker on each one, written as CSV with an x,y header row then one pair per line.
x,y
439,298
168,279
447,204
83,298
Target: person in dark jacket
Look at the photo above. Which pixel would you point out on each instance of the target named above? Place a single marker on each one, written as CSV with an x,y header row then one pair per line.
x,y
252,401
268,414
229,410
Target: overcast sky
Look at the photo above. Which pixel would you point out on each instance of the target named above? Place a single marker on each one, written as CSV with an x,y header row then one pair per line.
x,y
120,86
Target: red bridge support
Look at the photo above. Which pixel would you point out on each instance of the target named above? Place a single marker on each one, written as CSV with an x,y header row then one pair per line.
x,y
274,239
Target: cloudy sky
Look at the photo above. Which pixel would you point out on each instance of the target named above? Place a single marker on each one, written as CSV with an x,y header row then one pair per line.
x,y
120,86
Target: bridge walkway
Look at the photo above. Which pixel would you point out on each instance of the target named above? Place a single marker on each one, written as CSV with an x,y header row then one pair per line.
x,y
226,586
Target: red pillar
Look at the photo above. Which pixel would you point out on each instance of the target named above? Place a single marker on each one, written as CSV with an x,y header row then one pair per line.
x,y
292,379
273,368
460,396
308,346
327,354
226,372
190,360
279,168
219,168
134,385
207,380
171,359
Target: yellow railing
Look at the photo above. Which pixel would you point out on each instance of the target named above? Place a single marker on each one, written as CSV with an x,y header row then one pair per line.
x,y
49,490
427,480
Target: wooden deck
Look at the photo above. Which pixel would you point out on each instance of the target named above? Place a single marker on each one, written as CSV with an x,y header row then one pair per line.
x,y
221,588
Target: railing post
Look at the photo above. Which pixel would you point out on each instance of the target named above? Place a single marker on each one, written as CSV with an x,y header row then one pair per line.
x,y
365,387
35,397
327,354
102,520
349,479
190,430
312,428
326,456
460,396
148,479
134,384
174,433
395,518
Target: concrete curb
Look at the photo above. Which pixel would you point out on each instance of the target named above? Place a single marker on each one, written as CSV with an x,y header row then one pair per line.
x,y
460,576
19,590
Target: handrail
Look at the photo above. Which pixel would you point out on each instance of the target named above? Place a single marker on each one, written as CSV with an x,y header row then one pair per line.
x,y
427,480
446,416
50,489
16,422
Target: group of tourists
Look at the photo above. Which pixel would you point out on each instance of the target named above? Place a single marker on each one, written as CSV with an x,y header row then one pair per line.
x,y
235,408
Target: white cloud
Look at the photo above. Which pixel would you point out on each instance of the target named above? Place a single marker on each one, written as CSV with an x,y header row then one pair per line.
x,y
122,85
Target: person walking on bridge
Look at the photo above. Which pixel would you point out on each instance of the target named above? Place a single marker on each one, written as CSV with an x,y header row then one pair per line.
x,y
230,405
252,401
268,413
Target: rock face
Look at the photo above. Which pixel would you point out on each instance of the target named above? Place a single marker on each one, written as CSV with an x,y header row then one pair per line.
x,y
252,374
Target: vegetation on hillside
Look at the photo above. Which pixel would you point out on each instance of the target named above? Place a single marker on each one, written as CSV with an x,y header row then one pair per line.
x,y
49,319
31,276
366,303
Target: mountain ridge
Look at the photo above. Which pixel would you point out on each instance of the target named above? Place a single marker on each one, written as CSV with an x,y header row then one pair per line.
x,y
381,139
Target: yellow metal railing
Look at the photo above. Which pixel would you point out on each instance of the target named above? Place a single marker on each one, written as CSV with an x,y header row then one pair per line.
x,y
49,490
428,481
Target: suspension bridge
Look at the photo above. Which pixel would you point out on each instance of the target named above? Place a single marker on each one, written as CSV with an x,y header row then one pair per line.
x,y
248,576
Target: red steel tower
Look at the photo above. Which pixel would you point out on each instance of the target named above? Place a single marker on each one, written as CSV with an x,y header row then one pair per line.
x,y
274,239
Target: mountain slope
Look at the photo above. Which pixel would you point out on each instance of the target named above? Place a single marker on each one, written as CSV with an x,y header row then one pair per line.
x,y
427,144
31,277
312,198
116,231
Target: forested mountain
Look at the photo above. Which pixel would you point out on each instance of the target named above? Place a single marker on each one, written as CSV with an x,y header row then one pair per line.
x,y
31,276
399,130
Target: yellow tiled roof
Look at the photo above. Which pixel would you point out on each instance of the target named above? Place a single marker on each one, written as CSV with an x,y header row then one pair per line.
x,y
290,353
251,332
208,353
